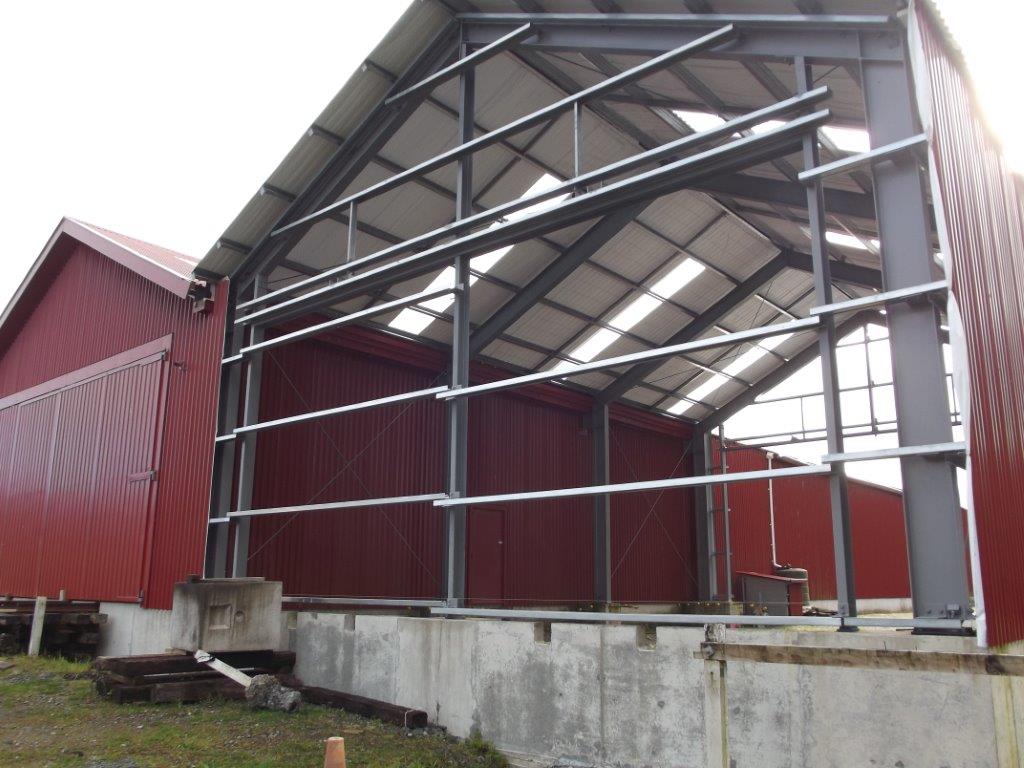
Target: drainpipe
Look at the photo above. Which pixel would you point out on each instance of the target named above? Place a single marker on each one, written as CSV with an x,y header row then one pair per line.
x,y
771,515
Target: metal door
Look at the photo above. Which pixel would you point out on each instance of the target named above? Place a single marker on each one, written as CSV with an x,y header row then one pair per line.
x,y
485,566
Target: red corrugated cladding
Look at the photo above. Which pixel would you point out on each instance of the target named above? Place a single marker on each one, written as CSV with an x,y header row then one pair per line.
x,y
982,205
534,440
803,530
84,308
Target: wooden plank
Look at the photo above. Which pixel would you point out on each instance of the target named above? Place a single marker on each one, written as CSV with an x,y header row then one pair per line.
x,y
360,705
862,658
136,666
195,690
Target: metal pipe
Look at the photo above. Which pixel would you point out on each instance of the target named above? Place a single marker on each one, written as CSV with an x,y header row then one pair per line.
x,y
771,515
899,294
349,504
847,164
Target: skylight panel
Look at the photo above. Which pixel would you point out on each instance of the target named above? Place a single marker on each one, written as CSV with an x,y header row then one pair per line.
x,y
411,320
735,368
848,139
699,121
596,344
639,308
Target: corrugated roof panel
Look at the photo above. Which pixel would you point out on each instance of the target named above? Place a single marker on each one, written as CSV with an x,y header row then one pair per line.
x,y
634,253
514,354
546,326
734,248
523,262
680,216
662,323
704,291
589,290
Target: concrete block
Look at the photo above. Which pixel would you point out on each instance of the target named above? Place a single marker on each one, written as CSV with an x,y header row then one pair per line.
x,y
226,615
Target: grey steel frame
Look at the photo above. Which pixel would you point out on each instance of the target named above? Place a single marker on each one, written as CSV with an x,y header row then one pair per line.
x,y
872,43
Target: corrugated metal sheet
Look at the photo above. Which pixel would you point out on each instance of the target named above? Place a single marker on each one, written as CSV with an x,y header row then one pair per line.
x,y
653,545
86,308
982,204
803,530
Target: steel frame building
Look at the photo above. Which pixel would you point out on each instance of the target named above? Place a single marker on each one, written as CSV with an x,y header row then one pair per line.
x,y
785,177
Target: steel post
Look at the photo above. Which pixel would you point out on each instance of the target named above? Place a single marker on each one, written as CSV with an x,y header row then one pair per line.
x,y
458,408
707,576
247,448
600,431
723,465
938,575
846,595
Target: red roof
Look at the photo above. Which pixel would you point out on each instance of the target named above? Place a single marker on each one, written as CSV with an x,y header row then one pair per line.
x,y
166,268
172,260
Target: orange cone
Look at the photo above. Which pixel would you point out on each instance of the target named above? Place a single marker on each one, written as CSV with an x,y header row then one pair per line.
x,y
334,757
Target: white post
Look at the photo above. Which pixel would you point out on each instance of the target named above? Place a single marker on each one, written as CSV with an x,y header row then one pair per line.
x,y
38,619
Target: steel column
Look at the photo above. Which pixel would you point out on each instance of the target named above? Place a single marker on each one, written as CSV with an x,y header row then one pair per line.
x,y
247,450
458,408
846,594
600,431
935,542
723,465
217,534
707,563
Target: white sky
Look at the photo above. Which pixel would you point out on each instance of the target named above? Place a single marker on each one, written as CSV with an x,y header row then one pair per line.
x,y
160,121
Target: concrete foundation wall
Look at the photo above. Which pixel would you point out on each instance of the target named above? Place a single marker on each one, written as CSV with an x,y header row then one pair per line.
x,y
132,630
610,696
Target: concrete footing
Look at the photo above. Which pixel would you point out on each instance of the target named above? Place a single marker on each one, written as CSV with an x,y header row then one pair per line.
x,y
620,695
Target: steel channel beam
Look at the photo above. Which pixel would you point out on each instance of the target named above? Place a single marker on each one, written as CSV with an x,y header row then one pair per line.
x,y
696,327
475,144
217,534
886,297
600,430
707,563
940,449
843,202
639,486
654,154
616,34
935,540
841,271
348,504
429,83
839,501
360,147
247,445
644,186
658,353
419,394
779,374
455,541
872,157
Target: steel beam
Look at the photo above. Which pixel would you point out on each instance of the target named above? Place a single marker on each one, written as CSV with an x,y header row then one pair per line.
x,y
707,563
553,274
841,271
247,447
699,325
599,435
642,35
217,534
470,60
782,372
839,501
639,486
455,542
841,202
360,147
655,183
935,542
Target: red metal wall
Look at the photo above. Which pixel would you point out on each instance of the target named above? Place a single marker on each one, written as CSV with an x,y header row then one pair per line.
x,y
535,440
803,530
654,556
88,308
982,207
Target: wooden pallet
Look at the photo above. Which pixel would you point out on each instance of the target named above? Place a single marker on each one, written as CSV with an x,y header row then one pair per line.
x,y
169,677
70,629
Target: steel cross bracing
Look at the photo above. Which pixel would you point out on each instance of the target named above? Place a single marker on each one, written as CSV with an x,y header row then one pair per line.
x,y
697,161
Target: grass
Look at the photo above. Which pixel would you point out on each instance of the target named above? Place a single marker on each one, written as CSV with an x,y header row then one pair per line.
x,y
50,715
